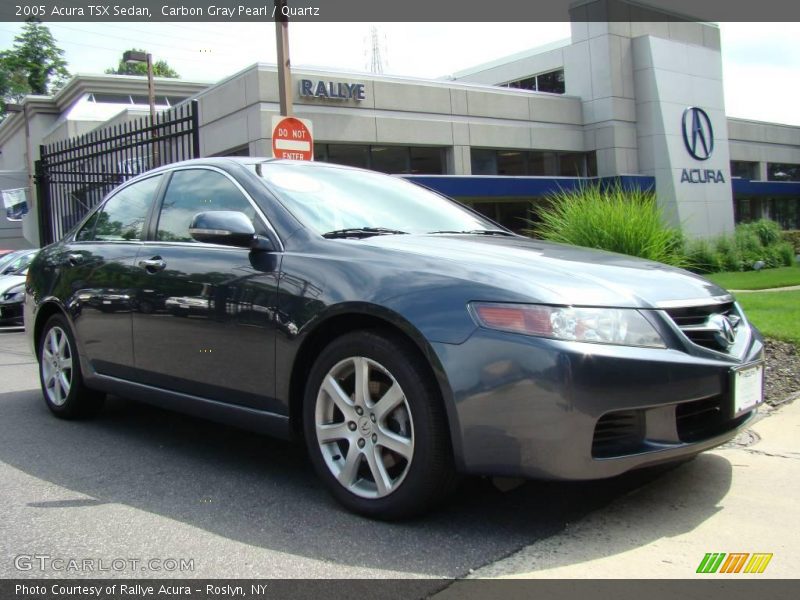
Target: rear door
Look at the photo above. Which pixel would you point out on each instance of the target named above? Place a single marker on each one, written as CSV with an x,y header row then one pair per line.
x,y
204,322
97,276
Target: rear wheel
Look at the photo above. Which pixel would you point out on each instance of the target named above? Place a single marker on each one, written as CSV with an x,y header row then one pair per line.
x,y
375,426
60,373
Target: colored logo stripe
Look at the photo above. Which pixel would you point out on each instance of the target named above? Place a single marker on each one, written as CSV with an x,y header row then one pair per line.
x,y
711,562
758,563
734,563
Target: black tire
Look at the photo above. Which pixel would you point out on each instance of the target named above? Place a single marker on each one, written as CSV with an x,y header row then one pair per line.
x,y
79,401
415,485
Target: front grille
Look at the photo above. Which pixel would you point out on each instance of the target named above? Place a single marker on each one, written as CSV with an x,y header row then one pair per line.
x,y
695,322
618,433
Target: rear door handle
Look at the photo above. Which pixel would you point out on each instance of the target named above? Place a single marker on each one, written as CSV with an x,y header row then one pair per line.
x,y
152,265
74,259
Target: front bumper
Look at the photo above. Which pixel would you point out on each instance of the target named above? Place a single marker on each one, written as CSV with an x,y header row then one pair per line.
x,y
11,313
531,407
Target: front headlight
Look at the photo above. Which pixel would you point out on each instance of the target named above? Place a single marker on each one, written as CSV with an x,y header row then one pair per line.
x,y
621,326
14,294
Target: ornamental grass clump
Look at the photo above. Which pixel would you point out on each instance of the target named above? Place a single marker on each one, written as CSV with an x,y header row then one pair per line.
x,y
611,218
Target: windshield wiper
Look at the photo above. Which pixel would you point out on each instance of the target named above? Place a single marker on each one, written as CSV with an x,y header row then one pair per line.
x,y
361,232
476,232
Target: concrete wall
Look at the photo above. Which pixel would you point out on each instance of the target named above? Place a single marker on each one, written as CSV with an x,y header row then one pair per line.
x,y
420,113
670,76
761,142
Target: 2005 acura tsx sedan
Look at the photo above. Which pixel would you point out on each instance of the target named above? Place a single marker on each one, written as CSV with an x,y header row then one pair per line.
x,y
404,337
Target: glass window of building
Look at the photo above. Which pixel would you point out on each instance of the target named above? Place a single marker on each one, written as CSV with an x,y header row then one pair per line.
x,y
744,168
551,82
423,160
536,163
783,172
428,161
484,162
512,162
389,159
348,154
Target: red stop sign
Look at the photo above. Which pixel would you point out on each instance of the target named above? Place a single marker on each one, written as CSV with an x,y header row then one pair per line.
x,y
291,138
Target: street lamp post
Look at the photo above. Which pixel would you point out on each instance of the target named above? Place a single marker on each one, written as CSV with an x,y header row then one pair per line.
x,y
284,64
133,57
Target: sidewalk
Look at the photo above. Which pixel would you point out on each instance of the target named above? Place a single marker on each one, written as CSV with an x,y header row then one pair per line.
x,y
733,499
788,288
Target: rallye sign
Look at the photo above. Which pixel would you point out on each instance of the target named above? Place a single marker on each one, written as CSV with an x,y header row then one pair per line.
x,y
333,90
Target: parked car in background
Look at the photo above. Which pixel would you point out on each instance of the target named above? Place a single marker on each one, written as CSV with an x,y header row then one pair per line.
x,y
16,260
403,336
12,288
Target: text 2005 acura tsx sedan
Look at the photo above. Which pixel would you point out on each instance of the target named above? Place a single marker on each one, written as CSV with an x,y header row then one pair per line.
x,y
406,338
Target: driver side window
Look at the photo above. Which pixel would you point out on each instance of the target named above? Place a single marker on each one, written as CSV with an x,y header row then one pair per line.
x,y
193,191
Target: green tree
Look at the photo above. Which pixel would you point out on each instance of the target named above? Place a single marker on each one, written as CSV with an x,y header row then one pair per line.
x,y
34,65
160,68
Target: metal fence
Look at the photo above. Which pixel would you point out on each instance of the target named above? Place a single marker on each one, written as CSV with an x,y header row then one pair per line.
x,y
74,175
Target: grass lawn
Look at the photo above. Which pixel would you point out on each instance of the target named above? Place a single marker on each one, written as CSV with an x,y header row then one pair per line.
x,y
776,314
757,280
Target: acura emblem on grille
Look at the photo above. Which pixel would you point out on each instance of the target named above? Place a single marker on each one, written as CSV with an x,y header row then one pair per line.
x,y
724,333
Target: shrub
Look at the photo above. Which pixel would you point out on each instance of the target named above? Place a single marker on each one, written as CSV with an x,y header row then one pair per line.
x,y
750,243
611,218
793,237
702,257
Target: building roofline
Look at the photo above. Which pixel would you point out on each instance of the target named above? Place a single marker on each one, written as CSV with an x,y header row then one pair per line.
x,y
81,83
504,60
759,122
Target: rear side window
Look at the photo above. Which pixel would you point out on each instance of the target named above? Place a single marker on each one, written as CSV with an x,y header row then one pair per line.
x,y
122,217
192,191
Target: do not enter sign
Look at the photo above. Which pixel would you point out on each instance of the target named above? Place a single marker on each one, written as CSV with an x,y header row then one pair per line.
x,y
291,138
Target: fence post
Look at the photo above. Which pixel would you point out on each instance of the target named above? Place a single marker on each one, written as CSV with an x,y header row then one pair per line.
x,y
195,129
43,198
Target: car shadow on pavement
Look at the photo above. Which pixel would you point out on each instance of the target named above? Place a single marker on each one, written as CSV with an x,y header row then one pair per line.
x,y
263,492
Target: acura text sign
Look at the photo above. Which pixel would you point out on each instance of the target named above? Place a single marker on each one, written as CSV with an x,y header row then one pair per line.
x,y
292,139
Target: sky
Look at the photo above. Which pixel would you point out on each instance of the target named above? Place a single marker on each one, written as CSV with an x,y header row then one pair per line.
x,y
761,61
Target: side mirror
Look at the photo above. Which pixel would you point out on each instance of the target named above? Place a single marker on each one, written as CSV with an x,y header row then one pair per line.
x,y
226,227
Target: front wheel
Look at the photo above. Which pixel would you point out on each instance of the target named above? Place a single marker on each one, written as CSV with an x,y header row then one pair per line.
x,y
375,426
60,373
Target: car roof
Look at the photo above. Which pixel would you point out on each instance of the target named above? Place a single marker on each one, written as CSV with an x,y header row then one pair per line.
x,y
247,161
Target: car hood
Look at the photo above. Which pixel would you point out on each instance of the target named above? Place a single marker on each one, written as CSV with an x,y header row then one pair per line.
x,y
551,273
9,281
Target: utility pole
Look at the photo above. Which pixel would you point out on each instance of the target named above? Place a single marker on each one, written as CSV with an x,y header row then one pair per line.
x,y
284,64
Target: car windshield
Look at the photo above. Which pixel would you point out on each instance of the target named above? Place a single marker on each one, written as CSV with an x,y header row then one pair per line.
x,y
16,262
331,200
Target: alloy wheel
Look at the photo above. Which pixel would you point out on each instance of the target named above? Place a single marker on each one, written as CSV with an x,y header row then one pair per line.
x,y
364,427
56,365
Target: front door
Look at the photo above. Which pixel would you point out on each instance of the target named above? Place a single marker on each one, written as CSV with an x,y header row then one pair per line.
x,y
204,321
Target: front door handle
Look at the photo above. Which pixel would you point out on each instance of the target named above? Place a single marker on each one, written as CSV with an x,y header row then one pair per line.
x,y
74,258
153,265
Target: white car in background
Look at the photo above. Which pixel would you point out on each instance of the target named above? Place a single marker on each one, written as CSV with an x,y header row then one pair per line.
x,y
12,288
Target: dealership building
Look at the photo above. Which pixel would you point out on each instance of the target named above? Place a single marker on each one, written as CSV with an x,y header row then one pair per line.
x,y
641,102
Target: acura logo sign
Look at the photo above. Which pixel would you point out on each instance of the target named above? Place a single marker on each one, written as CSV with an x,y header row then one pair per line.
x,y
698,135
723,328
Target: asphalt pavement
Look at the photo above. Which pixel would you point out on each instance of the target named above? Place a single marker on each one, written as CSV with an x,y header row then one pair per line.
x,y
138,484
143,483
